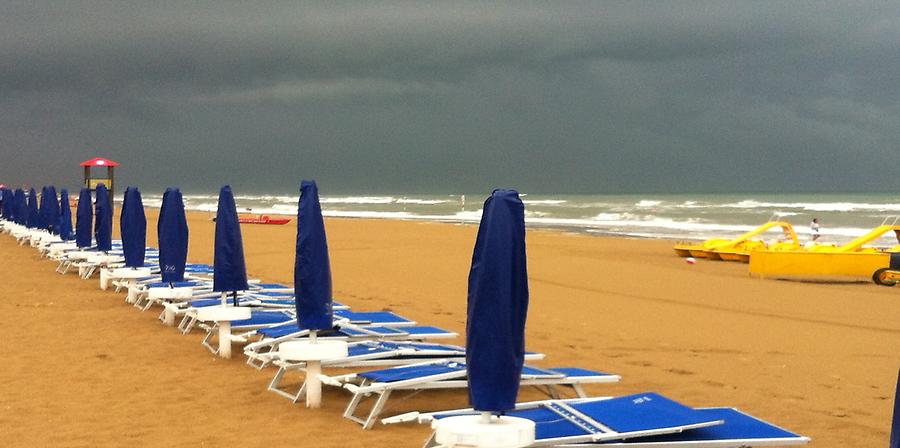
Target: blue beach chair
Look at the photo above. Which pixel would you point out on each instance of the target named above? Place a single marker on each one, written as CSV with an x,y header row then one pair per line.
x,y
633,420
265,351
376,353
740,430
449,374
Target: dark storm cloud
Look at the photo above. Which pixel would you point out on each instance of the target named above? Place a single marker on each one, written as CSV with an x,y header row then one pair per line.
x,y
447,97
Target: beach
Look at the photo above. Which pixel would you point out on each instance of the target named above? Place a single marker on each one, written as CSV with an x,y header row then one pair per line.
x,y
83,368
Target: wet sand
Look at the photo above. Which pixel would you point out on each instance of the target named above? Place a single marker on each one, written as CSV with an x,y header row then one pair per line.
x,y
82,368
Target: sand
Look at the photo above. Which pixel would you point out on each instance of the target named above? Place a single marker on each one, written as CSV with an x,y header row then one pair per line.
x,y
82,368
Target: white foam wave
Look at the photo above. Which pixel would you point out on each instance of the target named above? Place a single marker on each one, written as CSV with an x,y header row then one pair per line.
x,y
544,201
815,206
647,203
422,201
357,200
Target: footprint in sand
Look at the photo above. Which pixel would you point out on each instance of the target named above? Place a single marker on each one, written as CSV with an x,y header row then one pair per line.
x,y
640,363
680,371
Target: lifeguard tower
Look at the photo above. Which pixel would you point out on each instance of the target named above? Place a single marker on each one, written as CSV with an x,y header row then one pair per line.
x,y
91,180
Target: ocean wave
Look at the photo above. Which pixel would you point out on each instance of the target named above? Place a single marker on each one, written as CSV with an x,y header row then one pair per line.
x,y
357,200
815,206
544,201
423,201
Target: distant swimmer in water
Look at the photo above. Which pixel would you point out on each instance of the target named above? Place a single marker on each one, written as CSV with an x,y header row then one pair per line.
x,y
814,227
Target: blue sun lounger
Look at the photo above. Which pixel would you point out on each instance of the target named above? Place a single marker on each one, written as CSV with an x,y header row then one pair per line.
x,y
262,319
366,353
387,318
261,353
261,300
592,420
374,353
647,420
449,374
740,430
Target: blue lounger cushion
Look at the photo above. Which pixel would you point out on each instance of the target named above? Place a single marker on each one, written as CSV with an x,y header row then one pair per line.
x,y
412,372
369,330
423,370
265,293
271,286
279,330
425,329
577,371
647,411
185,284
213,302
262,318
381,317
274,302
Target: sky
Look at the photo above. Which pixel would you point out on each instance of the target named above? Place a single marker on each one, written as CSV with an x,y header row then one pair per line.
x,y
452,97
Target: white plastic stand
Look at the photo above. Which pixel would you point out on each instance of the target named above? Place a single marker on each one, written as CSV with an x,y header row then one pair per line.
x,y
101,260
313,352
129,275
55,250
223,316
168,294
483,431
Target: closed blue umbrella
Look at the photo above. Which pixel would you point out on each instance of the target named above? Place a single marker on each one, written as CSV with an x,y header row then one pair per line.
x,y
21,208
9,202
229,270
84,217
42,209
34,219
172,230
497,305
103,219
64,227
133,228
51,214
312,270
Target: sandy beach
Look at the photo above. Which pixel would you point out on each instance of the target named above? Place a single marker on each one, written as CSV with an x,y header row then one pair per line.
x,y
82,368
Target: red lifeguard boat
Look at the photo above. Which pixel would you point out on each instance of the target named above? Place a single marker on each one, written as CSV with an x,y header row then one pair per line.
x,y
262,219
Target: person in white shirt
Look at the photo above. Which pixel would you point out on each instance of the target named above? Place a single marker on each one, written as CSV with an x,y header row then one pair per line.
x,y
814,227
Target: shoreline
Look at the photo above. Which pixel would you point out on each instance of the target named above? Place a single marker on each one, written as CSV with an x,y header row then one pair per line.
x,y
820,360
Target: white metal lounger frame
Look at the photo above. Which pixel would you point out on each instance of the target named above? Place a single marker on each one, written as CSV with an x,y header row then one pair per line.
x,y
547,383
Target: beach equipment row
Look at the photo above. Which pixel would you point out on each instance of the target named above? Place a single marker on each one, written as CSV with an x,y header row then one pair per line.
x,y
491,367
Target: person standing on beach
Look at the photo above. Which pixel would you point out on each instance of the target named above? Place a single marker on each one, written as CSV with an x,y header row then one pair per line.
x,y
814,227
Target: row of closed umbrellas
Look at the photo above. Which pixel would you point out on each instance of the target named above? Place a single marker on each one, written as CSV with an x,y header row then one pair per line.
x,y
498,284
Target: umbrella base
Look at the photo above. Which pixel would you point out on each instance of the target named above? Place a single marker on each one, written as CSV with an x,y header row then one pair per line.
x,y
475,431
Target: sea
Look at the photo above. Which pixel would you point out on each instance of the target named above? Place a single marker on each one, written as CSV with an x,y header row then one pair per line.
x,y
680,217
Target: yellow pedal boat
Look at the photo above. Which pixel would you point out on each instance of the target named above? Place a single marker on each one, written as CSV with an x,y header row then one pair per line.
x,y
739,249
854,259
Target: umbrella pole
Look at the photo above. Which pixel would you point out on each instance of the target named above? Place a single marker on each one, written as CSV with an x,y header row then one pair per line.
x,y
225,339
225,333
313,383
